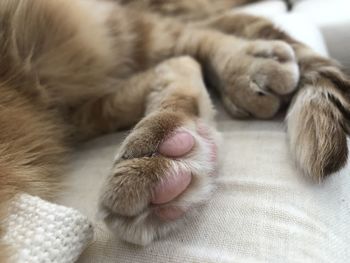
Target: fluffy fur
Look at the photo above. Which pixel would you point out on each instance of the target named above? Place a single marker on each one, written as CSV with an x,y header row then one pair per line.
x,y
73,70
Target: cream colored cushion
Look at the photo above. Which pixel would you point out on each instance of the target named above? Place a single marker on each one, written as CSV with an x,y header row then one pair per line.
x,y
264,210
333,18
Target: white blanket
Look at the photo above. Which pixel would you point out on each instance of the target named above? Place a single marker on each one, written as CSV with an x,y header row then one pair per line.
x,y
41,232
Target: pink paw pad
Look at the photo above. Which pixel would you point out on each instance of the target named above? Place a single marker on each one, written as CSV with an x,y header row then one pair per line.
x,y
171,187
177,145
167,190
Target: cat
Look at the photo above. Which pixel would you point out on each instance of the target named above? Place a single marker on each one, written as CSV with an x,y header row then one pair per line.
x,y
74,70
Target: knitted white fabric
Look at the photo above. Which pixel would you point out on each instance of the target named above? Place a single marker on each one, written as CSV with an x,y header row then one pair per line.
x,y
42,232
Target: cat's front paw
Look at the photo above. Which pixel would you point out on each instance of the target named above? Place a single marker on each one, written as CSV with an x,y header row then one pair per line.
x,y
256,77
164,170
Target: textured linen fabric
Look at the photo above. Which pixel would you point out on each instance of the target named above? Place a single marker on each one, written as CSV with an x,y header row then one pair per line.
x,y
42,232
263,211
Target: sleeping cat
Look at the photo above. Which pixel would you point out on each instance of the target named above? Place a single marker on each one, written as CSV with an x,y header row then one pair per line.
x,y
74,70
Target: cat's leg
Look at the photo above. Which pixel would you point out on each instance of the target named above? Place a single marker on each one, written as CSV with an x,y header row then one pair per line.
x,y
256,73
119,109
166,166
318,119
